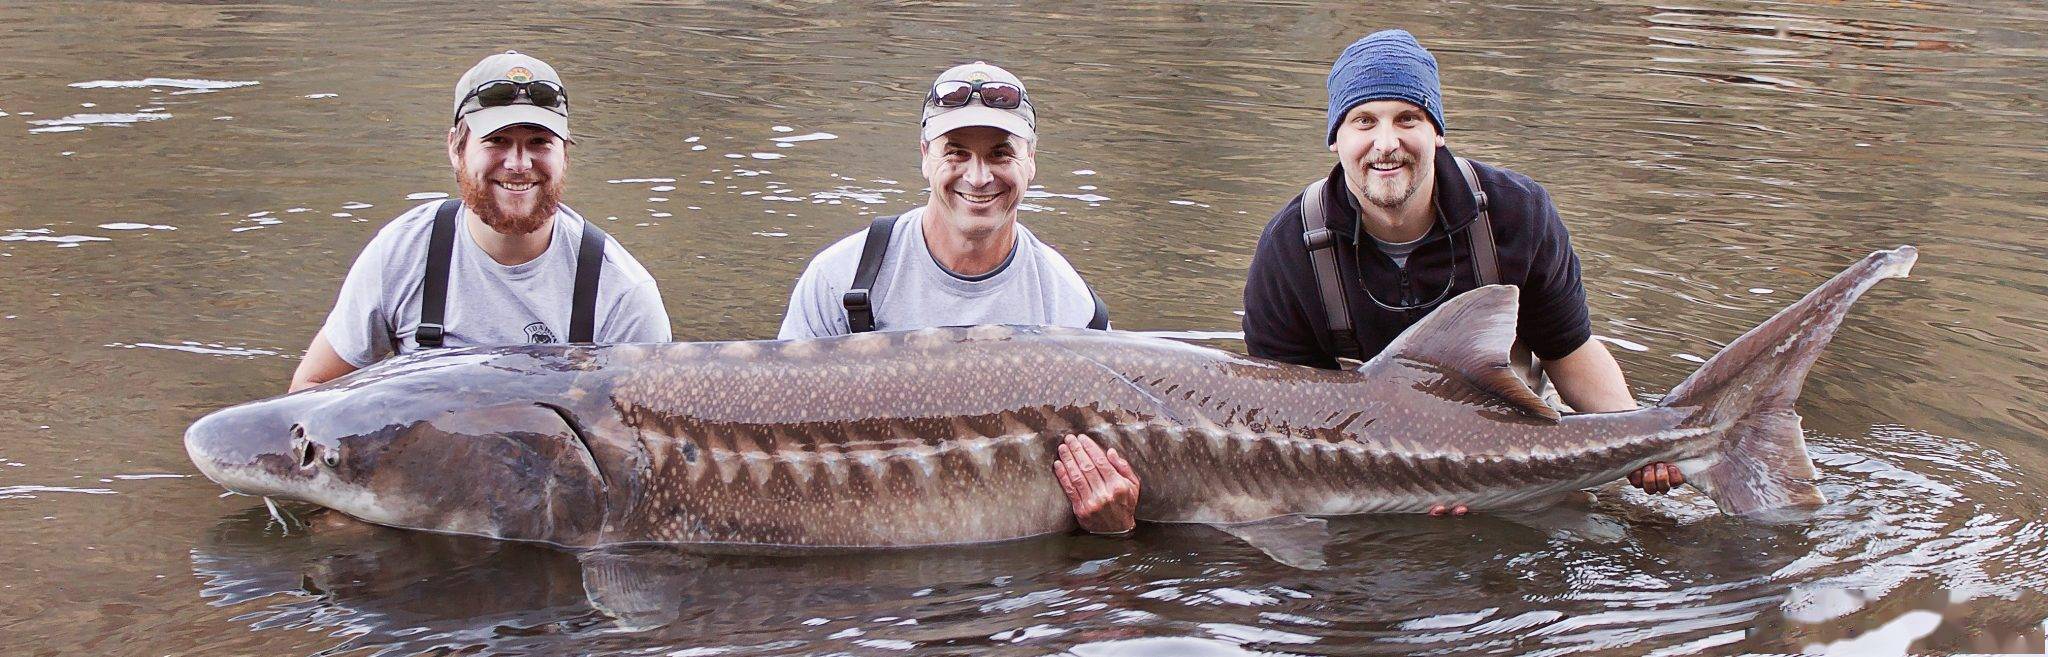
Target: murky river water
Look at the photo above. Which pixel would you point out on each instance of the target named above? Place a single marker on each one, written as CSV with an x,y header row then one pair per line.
x,y
183,186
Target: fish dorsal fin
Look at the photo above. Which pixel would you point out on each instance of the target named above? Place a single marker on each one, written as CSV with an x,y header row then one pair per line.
x,y
1470,335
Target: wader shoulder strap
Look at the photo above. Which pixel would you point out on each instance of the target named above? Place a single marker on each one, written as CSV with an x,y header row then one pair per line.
x,y
1485,256
1100,321
434,296
1486,262
1322,255
589,266
859,298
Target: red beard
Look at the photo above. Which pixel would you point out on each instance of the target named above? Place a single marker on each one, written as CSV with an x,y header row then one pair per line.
x,y
476,195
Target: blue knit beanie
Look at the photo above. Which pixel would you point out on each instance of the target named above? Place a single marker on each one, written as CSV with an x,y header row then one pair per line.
x,y
1388,64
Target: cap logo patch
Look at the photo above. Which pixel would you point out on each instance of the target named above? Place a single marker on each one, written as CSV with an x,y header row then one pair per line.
x,y
519,74
977,76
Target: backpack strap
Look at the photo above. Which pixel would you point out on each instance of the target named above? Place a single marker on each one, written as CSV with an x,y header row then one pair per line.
x,y
859,299
434,295
589,266
1100,321
1485,256
1322,255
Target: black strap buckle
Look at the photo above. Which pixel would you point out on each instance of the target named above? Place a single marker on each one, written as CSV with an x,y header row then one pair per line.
x,y
856,300
429,335
1319,239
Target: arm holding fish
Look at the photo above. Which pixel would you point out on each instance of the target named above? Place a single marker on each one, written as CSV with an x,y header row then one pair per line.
x,y
1099,484
320,365
1276,317
816,309
358,321
1556,324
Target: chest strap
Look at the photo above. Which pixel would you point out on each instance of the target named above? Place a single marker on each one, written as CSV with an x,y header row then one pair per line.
x,y
1322,256
859,299
441,249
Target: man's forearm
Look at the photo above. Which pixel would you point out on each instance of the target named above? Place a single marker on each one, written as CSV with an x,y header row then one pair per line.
x,y
1590,380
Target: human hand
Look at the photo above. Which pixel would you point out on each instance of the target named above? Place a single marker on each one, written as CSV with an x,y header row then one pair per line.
x,y
1100,485
1657,478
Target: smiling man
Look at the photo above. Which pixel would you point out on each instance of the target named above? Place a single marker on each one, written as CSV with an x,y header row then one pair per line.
x,y
1401,225
508,263
963,259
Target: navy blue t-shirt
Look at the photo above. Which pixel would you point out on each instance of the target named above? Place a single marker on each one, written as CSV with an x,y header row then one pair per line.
x,y
1284,318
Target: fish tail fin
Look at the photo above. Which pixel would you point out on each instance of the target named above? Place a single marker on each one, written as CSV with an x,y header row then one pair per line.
x,y
1760,463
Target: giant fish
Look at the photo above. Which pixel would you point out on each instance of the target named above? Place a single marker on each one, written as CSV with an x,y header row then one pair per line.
x,y
947,436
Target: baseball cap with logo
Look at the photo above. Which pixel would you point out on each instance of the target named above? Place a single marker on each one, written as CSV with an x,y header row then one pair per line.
x,y
939,120
520,69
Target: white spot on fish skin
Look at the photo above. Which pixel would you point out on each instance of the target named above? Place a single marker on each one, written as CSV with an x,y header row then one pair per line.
x,y
801,349
864,343
926,338
741,350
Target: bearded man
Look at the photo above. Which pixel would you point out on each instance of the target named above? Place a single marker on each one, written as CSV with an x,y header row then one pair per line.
x,y
1400,225
508,263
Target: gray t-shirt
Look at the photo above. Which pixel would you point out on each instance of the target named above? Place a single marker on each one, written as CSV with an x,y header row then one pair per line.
x,y
1035,286
488,303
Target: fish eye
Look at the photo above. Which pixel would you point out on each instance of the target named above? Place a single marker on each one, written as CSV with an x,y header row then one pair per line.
x,y
332,458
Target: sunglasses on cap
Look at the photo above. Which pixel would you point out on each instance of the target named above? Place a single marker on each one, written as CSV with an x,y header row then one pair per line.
x,y
957,93
499,93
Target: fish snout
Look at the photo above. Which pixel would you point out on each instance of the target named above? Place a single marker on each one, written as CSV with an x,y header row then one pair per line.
x,y
243,447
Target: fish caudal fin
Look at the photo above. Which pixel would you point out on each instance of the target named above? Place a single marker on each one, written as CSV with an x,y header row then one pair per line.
x,y
1748,391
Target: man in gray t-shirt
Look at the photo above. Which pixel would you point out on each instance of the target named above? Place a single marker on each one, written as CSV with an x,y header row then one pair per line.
x,y
963,259
513,256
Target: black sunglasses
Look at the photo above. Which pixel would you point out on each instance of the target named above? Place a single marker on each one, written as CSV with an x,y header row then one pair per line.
x,y
499,93
957,93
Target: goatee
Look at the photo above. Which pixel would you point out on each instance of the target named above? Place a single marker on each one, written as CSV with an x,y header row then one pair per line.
x,y
476,195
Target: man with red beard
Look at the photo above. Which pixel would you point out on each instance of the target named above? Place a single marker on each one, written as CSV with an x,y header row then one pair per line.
x,y
508,263
962,259
1401,225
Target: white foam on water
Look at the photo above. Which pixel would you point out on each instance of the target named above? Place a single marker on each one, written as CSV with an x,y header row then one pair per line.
x,y
1618,342
1084,172
298,210
208,349
157,475
12,492
621,181
767,156
690,140
1249,634
783,128
1893,638
61,128
1690,358
1761,290
698,147
114,118
179,83
60,240
319,96
422,196
355,205
127,225
815,136
1086,198
657,199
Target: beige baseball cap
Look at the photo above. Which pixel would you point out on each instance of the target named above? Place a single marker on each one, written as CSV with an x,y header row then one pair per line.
x,y
941,120
512,66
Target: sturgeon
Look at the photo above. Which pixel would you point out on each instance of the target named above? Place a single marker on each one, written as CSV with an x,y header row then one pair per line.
x,y
947,436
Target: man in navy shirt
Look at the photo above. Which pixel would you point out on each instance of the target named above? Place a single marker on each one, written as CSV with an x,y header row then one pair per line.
x,y
1401,224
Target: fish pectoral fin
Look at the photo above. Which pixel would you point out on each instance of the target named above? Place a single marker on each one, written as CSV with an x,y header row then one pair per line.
x,y
639,587
1293,540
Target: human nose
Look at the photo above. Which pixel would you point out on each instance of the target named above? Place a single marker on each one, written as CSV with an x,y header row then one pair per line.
x,y
1385,139
979,172
519,158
